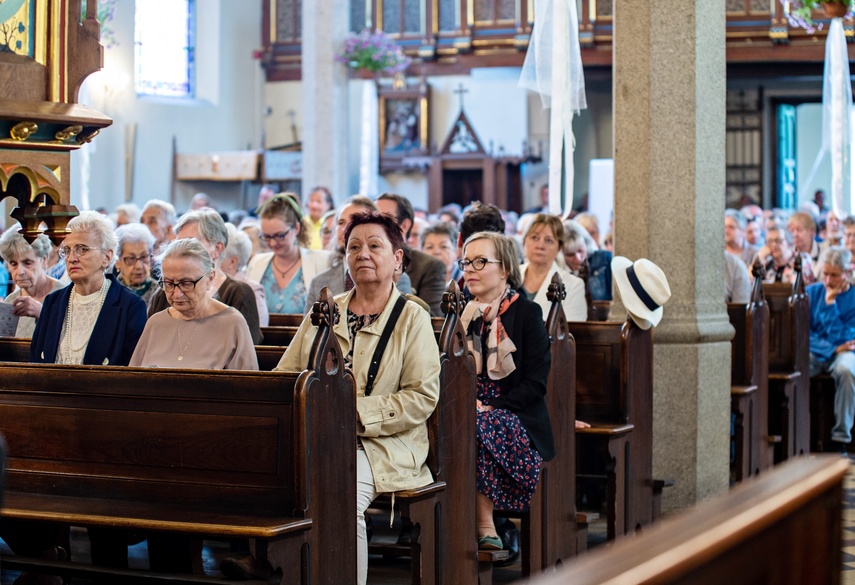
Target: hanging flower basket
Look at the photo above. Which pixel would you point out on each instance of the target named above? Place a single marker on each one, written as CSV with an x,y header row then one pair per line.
x,y
371,53
800,12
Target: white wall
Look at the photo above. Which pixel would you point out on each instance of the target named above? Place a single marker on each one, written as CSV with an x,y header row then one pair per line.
x,y
227,117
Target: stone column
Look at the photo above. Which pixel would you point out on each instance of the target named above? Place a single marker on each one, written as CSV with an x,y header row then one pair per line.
x,y
324,92
669,126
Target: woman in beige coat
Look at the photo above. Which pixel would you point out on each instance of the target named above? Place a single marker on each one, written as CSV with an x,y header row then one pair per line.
x,y
392,412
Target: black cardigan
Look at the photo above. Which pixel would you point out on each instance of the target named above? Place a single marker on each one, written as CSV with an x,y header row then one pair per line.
x,y
524,390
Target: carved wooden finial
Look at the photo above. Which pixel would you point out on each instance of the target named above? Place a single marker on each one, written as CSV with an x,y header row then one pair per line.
x,y
324,311
451,301
325,354
556,291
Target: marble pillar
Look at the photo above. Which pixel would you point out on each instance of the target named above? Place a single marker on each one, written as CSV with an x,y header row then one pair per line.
x,y
324,93
669,132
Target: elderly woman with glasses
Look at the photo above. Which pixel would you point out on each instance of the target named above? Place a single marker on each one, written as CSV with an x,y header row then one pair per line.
x,y
287,270
208,228
94,320
27,264
779,257
136,245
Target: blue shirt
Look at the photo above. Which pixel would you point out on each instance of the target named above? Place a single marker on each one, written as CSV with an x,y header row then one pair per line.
x,y
830,325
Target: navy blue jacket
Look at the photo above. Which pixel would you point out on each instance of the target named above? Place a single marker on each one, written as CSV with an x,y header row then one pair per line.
x,y
117,330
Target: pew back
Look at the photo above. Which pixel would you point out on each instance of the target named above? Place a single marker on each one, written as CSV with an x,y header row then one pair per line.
x,y
784,527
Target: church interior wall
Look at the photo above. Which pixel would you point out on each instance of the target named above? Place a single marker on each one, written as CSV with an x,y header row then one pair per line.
x,y
225,116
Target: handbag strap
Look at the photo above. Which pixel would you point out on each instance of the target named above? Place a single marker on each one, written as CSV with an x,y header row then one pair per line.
x,y
381,345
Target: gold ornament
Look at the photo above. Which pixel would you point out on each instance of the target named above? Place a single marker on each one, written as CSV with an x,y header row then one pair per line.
x,y
22,130
68,132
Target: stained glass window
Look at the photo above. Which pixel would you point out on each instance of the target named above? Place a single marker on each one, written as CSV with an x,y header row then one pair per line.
x,y
164,39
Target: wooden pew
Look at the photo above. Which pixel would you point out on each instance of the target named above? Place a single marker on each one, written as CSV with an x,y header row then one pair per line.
x,y
614,392
789,364
229,454
749,379
784,527
13,349
282,332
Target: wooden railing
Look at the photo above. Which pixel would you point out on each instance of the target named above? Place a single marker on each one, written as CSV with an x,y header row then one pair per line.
x,y
452,36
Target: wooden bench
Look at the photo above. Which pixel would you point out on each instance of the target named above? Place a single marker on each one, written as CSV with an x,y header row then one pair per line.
x,y
14,349
789,364
784,527
283,327
614,393
749,390
230,454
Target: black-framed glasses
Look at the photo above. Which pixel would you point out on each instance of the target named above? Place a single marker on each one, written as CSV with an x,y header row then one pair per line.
x,y
79,250
280,237
132,260
476,263
184,286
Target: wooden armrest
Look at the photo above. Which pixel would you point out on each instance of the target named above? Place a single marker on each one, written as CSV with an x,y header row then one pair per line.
x,y
491,556
146,516
606,429
784,376
660,484
586,517
742,390
428,490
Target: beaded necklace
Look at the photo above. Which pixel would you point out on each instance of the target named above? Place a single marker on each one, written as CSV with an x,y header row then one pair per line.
x,y
69,349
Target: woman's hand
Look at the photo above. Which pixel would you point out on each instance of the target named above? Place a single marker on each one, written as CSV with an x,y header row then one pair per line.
x,y
580,424
27,307
482,407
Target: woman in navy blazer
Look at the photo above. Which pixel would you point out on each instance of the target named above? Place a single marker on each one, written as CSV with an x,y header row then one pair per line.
x,y
94,320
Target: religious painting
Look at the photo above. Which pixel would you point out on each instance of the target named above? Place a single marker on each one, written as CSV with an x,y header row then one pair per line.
x,y
403,116
16,27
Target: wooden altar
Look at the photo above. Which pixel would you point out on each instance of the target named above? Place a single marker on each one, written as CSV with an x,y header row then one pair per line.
x,y
46,52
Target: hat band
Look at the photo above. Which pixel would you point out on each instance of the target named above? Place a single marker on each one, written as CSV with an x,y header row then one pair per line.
x,y
639,289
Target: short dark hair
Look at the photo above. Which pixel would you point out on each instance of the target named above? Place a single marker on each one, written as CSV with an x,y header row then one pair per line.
x,y
405,208
327,195
393,231
440,229
481,217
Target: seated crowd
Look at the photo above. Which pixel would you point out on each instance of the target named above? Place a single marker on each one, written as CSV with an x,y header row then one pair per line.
x,y
150,288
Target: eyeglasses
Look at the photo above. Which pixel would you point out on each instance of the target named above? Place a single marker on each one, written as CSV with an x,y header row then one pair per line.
x,y
326,231
79,250
476,264
774,240
132,260
184,286
280,237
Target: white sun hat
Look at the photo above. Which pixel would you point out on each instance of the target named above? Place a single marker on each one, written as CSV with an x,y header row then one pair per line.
x,y
643,289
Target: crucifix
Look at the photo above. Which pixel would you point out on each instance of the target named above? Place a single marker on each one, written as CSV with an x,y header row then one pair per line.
x,y
292,115
461,91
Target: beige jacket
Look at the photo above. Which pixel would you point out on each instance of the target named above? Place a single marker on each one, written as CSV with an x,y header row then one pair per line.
x,y
392,421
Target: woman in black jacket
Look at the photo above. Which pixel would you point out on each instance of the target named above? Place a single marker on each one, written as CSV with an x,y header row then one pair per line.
x,y
505,332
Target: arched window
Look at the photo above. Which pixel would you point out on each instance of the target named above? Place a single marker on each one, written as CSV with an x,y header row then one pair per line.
x,y
164,56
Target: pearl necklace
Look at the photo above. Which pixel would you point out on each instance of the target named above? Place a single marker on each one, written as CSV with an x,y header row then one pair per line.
x,y
181,355
69,325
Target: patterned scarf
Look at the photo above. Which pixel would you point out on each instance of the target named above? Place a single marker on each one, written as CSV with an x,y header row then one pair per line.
x,y
500,362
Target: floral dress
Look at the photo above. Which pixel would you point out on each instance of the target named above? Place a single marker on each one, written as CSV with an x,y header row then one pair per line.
x,y
508,463
291,299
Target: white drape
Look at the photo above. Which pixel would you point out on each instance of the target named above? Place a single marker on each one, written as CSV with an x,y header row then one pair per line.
x,y
553,68
369,158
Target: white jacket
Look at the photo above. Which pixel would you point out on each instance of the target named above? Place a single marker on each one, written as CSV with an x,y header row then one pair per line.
x,y
313,262
575,306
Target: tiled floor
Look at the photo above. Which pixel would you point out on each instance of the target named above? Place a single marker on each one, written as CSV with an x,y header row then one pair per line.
x,y
848,575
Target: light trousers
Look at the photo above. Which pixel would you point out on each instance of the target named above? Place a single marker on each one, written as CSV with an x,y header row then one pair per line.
x,y
365,494
842,369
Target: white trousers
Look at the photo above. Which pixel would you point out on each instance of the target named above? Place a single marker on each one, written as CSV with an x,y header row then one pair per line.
x,y
365,494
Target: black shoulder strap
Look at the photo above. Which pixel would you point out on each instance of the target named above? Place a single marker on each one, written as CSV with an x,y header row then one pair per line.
x,y
384,340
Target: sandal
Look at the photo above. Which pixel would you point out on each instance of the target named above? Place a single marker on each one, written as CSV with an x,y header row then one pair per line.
x,y
489,543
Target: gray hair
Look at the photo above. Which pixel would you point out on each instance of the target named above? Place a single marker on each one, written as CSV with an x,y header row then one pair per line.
x,y
100,225
736,216
573,227
785,233
211,225
167,208
239,247
13,245
133,233
187,248
837,256
440,229
129,209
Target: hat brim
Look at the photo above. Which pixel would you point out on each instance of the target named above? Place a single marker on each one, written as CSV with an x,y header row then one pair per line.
x,y
643,317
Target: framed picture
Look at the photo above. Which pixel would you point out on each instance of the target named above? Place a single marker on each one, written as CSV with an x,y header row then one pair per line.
x,y
403,125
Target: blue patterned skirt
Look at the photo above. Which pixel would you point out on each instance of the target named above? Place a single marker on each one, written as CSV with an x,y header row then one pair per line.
x,y
508,463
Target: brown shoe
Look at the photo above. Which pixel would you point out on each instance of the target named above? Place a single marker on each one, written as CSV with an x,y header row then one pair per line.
x,y
243,568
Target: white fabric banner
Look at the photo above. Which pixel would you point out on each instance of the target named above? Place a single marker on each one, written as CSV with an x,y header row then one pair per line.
x,y
369,158
553,68
836,116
